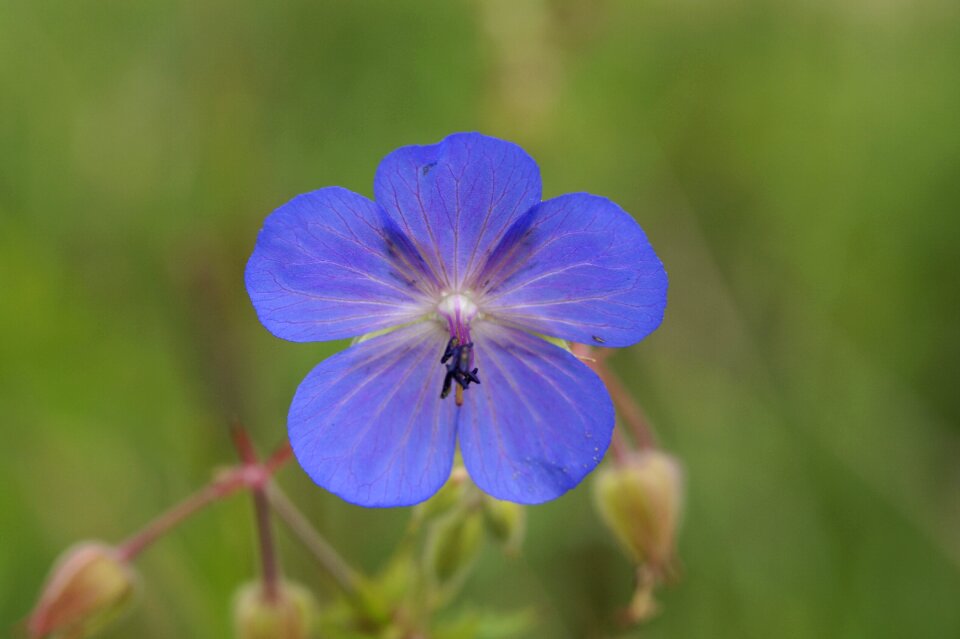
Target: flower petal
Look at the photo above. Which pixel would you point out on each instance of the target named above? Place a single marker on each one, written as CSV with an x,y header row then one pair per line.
x,y
577,267
457,199
367,424
540,421
324,268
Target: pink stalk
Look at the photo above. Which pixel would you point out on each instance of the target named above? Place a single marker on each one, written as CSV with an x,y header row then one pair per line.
x,y
270,568
222,486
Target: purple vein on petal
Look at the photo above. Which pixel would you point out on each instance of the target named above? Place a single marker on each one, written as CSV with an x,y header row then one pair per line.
x,y
456,199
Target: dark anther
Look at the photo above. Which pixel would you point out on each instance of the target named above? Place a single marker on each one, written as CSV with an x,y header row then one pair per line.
x,y
458,368
452,345
447,380
427,167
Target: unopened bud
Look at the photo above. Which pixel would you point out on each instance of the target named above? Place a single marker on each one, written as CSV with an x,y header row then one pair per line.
x,y
641,501
453,544
88,588
287,615
505,521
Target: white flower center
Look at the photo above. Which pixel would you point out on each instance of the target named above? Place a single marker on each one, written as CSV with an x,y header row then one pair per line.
x,y
458,307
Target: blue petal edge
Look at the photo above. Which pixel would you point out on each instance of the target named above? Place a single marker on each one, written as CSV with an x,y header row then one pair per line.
x,y
456,199
324,268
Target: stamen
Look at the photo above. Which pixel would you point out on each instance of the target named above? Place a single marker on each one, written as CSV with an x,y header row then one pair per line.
x,y
460,358
451,345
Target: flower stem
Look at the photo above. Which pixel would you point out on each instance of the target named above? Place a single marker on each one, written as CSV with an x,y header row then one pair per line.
x,y
619,446
136,543
223,485
341,572
270,568
268,555
630,410
277,459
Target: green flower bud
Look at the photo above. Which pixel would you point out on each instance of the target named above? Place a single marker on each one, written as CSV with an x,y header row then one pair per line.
x,y
88,588
641,502
505,522
453,544
289,615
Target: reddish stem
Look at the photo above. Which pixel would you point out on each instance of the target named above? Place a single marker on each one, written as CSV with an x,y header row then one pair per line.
x,y
628,409
268,557
619,446
278,458
223,485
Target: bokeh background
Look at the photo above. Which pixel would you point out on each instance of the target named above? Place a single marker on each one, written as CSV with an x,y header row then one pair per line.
x,y
795,164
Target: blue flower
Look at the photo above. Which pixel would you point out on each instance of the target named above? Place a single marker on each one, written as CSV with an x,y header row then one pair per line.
x,y
453,274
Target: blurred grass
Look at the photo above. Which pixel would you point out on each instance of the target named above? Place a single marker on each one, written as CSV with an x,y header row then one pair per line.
x,y
794,164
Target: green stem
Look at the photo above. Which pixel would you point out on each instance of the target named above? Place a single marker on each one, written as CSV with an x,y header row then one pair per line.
x,y
345,576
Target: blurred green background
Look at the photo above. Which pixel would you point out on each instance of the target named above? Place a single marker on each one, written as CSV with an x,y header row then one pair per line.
x,y
795,164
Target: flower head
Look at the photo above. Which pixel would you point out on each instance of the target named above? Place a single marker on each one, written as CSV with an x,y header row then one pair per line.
x,y
454,273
